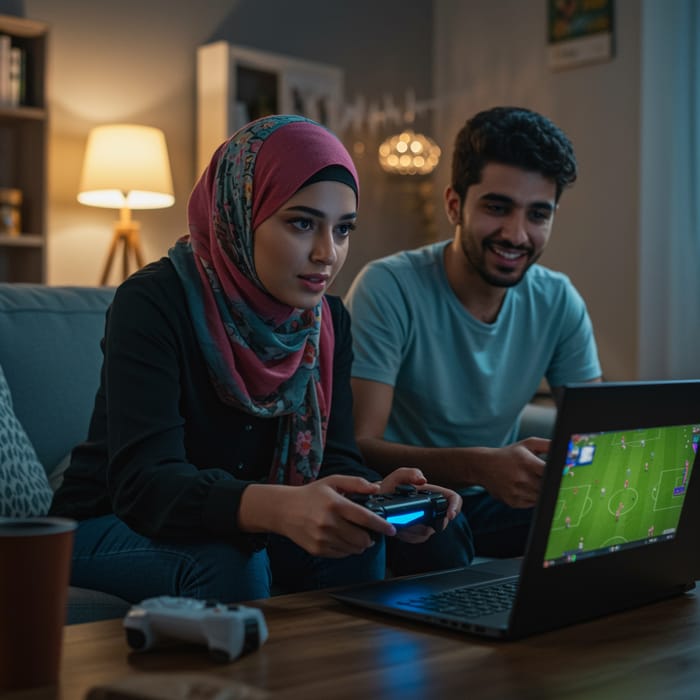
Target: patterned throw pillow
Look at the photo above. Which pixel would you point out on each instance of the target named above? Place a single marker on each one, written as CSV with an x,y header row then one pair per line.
x,y
24,487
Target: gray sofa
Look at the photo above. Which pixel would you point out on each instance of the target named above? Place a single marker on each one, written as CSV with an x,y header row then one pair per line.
x,y
50,355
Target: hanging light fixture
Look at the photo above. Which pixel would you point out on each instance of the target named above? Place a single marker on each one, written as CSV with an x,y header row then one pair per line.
x,y
409,153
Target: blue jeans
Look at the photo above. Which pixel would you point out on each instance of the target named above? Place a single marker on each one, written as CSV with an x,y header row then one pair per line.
x,y
108,556
485,527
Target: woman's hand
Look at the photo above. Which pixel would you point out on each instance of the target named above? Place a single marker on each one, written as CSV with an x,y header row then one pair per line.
x,y
317,516
324,522
415,534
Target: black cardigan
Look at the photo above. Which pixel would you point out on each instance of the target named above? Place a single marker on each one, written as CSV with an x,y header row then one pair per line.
x,y
163,452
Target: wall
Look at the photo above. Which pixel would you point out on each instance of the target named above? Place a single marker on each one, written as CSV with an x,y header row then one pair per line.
x,y
134,61
489,53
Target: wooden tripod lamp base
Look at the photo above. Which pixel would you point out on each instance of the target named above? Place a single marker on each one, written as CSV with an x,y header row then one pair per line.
x,y
126,236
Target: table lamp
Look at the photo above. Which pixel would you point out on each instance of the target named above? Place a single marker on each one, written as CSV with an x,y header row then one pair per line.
x,y
126,167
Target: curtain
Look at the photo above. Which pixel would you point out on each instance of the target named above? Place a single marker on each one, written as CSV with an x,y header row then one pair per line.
x,y
669,283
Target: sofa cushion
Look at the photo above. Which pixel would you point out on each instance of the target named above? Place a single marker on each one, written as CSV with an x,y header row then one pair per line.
x,y
50,351
24,488
86,605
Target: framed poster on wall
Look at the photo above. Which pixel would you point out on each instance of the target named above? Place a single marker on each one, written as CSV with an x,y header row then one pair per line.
x,y
579,32
236,84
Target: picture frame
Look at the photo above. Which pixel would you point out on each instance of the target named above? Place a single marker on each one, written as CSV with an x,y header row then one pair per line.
x,y
579,32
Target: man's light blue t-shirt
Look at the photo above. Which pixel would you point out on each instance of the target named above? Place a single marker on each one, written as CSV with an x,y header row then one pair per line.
x,y
458,381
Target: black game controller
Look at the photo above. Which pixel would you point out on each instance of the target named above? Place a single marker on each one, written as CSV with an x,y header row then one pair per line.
x,y
406,506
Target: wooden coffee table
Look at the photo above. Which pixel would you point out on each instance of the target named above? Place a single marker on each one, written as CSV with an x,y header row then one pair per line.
x,y
321,649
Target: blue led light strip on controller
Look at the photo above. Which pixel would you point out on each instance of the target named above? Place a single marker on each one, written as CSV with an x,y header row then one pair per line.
x,y
405,518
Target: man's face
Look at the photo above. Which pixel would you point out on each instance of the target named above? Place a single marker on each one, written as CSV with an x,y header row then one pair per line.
x,y
504,223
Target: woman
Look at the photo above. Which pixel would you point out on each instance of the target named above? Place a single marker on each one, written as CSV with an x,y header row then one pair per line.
x,y
221,444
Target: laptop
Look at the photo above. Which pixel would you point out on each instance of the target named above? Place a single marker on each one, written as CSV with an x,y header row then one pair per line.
x,y
617,524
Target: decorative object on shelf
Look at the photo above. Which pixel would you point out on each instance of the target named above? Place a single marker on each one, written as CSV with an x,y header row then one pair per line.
x,y
409,153
126,167
10,211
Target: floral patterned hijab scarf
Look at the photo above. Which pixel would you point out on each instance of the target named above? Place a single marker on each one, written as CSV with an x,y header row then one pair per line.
x,y
264,357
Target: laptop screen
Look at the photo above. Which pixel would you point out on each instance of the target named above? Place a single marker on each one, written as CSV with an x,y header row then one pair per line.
x,y
619,490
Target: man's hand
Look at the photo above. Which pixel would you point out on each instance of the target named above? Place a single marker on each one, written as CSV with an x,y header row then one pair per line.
x,y
403,475
513,473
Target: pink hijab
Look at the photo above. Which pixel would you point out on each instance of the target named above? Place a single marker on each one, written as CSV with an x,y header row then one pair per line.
x,y
264,357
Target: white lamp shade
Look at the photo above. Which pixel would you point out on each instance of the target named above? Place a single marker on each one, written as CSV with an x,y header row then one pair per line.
x,y
126,165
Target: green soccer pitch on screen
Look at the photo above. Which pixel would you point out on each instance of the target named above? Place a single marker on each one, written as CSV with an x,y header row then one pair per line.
x,y
621,489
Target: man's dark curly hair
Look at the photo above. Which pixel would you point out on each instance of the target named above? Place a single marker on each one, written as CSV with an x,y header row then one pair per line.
x,y
512,136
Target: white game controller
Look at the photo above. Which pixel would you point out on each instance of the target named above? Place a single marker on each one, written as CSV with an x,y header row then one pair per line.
x,y
228,630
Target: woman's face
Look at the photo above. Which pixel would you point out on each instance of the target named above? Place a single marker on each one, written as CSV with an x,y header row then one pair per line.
x,y
301,248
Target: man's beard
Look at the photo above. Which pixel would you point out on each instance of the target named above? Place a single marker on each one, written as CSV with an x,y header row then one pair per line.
x,y
505,279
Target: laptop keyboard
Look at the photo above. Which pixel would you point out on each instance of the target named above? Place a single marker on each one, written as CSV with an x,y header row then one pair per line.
x,y
469,601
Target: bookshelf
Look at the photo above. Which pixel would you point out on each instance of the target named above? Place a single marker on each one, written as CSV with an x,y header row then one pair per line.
x,y
23,155
236,84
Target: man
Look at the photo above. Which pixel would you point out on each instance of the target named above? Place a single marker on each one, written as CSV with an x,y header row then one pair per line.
x,y
452,340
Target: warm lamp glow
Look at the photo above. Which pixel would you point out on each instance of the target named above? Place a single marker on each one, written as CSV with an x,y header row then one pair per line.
x,y
409,153
126,165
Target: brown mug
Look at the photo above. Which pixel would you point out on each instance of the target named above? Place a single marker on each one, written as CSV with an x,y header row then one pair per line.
x,y
35,561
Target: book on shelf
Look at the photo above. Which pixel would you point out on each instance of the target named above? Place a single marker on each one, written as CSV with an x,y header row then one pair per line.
x,y
17,68
5,48
12,73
